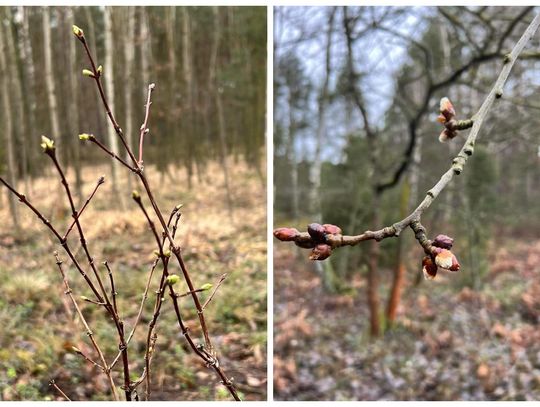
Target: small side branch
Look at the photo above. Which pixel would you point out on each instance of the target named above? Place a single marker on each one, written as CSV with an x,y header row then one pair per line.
x,y
59,390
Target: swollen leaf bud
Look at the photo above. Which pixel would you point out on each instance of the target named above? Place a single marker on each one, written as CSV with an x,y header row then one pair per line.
x,y
443,241
445,259
100,70
316,231
85,136
173,279
286,234
167,253
320,252
447,109
88,72
332,229
47,145
136,196
207,286
77,31
429,268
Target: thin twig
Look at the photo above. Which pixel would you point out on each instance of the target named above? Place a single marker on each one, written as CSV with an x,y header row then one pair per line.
x,y
100,181
467,150
89,332
144,127
53,384
218,284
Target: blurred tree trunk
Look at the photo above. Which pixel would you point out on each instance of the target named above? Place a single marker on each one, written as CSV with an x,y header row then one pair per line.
x,y
108,73
373,271
291,155
129,56
8,131
187,62
213,85
315,173
50,84
16,91
398,280
91,38
29,82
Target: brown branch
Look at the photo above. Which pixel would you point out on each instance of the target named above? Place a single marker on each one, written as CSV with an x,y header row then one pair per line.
x,y
336,240
211,296
144,127
53,384
101,181
138,169
89,332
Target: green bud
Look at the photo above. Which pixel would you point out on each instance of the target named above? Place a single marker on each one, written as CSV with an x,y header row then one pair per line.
x,y
77,31
82,297
167,253
100,69
47,145
75,349
85,136
156,253
173,279
178,207
88,72
135,195
207,286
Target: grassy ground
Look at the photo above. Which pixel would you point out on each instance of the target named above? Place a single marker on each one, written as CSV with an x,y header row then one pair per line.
x,y
450,343
37,320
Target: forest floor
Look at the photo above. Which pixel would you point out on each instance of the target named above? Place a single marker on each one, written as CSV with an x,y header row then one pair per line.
x,y
37,323
449,342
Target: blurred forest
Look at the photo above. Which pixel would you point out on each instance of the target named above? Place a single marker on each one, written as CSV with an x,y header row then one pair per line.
x,y
208,64
205,150
356,96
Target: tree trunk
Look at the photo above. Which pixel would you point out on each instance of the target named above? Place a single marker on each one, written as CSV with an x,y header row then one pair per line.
x,y
213,85
8,131
30,88
18,101
398,280
108,73
129,56
187,61
373,273
50,84
315,173
73,109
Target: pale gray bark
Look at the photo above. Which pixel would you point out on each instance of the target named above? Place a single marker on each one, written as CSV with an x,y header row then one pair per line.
x,y
50,81
108,72
217,90
129,57
8,130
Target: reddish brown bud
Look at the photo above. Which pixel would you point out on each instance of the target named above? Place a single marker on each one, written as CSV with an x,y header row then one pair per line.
x,y
443,241
447,109
429,268
446,135
445,259
321,252
332,229
316,232
286,234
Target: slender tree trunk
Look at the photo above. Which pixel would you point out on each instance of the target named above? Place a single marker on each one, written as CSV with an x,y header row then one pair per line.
x,y
18,101
8,130
398,280
187,60
315,173
101,125
213,85
108,72
373,273
73,109
50,83
129,56
30,87
291,153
